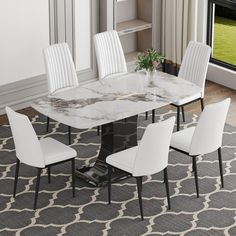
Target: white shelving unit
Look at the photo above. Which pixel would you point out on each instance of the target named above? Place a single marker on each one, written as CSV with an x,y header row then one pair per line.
x,y
135,22
131,26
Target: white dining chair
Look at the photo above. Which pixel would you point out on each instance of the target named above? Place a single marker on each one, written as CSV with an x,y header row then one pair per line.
x,y
194,69
205,138
148,158
41,154
61,72
60,67
110,55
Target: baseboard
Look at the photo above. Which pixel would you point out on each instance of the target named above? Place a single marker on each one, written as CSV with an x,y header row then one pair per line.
x,y
221,75
21,94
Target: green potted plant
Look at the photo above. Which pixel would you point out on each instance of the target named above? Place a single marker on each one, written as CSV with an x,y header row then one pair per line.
x,y
149,61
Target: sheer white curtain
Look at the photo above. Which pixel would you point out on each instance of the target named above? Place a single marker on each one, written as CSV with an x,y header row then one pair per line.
x,y
182,21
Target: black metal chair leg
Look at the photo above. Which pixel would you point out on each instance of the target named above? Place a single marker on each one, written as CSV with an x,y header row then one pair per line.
x,y
202,104
167,187
153,116
193,166
195,175
48,122
37,188
221,167
178,117
109,183
164,180
49,174
73,176
16,177
98,130
146,115
183,115
69,134
139,186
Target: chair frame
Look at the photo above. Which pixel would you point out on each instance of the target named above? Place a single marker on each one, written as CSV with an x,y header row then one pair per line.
x,y
194,167
139,188
39,171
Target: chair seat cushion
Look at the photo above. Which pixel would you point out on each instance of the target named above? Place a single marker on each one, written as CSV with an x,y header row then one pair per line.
x,y
182,139
123,160
187,99
55,151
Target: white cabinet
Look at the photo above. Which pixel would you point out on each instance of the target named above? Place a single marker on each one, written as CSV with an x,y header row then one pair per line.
x,y
137,23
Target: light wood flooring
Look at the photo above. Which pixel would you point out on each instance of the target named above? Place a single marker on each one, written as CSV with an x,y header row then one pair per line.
x,y
213,93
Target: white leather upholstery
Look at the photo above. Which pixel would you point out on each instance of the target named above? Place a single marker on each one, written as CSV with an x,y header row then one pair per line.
x,y
151,156
27,145
182,139
29,149
188,99
194,66
209,131
207,136
60,67
110,55
123,160
54,151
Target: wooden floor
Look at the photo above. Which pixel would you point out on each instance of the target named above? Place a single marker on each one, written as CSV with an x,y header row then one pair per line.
x,y
213,93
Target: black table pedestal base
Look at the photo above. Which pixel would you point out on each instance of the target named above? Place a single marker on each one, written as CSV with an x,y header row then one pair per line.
x,y
116,137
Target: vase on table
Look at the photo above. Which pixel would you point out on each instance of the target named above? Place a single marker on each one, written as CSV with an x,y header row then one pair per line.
x,y
150,76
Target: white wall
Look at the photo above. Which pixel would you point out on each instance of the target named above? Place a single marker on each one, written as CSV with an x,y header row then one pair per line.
x,y
24,32
222,76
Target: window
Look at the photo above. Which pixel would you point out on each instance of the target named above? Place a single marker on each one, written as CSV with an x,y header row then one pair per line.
x,y
222,32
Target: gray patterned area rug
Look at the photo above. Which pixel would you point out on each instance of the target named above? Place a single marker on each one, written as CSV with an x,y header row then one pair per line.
x,y
214,213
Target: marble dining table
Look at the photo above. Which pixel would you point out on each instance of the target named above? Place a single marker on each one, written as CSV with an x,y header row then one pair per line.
x,y
114,104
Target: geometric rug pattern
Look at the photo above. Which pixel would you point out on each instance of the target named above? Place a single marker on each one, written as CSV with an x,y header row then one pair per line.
x,y
214,213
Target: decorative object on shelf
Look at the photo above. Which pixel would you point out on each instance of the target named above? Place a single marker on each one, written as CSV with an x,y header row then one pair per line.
x,y
149,61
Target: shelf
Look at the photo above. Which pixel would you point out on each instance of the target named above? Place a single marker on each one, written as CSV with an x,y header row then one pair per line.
x,y
131,56
131,26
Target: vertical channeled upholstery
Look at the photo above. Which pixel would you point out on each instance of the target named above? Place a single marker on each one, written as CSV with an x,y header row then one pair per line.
x,y
28,149
208,133
195,63
110,55
60,67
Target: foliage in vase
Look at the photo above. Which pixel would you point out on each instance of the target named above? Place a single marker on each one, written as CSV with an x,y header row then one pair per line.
x,y
149,60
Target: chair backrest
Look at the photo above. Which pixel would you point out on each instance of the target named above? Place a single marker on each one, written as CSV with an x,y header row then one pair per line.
x,y
153,150
110,55
208,133
60,67
28,149
195,64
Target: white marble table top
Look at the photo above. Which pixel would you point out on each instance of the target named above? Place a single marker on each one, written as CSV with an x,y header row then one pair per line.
x,y
113,99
